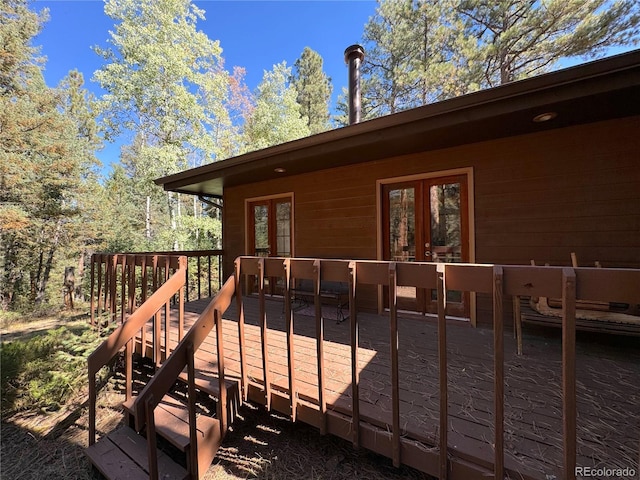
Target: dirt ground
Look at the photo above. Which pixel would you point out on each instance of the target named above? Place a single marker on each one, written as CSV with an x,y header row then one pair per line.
x,y
260,445
39,445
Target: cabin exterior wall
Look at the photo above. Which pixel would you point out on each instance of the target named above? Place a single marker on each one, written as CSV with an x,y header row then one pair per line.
x,y
537,196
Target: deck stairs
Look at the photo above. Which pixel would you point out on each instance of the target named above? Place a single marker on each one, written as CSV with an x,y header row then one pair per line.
x,y
171,431
123,453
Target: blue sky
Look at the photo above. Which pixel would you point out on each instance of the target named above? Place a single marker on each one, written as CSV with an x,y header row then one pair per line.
x,y
253,34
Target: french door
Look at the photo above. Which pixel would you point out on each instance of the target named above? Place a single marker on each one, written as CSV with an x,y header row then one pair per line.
x,y
269,231
427,221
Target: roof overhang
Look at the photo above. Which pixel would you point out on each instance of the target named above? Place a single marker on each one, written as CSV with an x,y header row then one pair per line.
x,y
595,91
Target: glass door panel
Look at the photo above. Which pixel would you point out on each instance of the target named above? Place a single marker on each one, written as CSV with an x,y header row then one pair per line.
x,y
445,230
446,224
426,220
283,229
270,227
261,231
403,233
402,224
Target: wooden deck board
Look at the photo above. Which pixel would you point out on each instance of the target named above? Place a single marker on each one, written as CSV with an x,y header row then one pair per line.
x,y
110,458
172,421
608,385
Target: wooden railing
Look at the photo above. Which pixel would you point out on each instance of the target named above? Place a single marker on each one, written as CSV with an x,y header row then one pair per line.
x,y
121,281
181,357
499,281
204,272
136,323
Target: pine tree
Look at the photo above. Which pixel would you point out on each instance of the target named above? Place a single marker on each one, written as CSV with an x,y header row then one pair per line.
x,y
314,90
44,158
419,52
520,38
416,53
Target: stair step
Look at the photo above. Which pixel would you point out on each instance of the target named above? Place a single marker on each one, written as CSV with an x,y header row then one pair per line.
x,y
123,455
172,422
207,379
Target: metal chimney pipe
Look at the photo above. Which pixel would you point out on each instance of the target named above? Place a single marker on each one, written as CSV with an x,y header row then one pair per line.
x,y
354,55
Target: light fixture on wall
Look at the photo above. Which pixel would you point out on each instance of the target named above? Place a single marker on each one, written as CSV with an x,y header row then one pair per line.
x,y
279,170
545,117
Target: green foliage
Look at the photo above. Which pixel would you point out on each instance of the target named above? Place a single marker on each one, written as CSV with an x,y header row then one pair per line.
x,y
416,52
166,85
46,370
420,52
47,144
519,38
314,90
165,82
276,118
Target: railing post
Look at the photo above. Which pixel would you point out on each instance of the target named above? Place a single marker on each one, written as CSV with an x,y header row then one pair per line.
x,y
128,367
152,450
187,281
320,346
114,281
167,314
92,291
193,429
569,371
143,330
198,262
498,371
263,334
123,288
222,404
183,262
107,285
241,342
355,369
92,407
442,367
132,284
209,274
395,379
288,315
99,293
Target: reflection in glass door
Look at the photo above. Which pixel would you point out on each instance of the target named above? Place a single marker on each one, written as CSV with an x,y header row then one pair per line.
x,y
427,220
261,246
270,228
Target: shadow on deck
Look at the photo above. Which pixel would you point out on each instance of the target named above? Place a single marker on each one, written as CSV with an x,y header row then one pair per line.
x,y
608,390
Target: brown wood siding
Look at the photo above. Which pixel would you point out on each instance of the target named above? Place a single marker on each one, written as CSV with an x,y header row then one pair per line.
x,y
537,196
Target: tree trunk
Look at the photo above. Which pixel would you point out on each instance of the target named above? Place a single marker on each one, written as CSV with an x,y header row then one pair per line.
x,y
148,219
80,276
48,264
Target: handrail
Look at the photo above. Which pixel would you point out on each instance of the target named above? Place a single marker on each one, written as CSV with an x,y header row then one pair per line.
x,y
183,356
124,334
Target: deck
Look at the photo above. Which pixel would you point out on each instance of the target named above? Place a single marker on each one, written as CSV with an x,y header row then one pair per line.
x,y
608,386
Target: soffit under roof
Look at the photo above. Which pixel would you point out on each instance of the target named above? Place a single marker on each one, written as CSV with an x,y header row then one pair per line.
x,y
601,90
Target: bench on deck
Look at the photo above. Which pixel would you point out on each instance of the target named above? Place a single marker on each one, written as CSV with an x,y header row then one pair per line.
x,y
605,317
335,291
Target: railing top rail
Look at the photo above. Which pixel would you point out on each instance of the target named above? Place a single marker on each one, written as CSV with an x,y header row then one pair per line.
x,y
166,376
598,284
138,259
186,253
